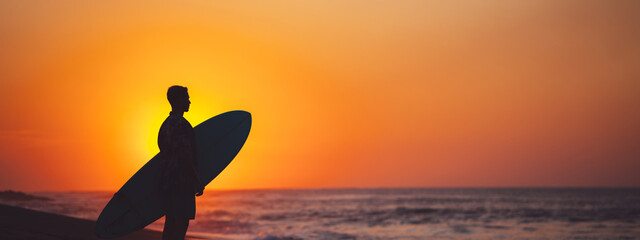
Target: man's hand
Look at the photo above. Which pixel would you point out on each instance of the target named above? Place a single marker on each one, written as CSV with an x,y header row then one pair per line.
x,y
199,189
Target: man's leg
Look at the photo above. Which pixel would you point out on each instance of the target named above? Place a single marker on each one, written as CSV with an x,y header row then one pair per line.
x,y
169,228
181,225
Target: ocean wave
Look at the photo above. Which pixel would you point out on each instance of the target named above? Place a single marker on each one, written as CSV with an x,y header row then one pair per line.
x,y
392,213
213,225
408,215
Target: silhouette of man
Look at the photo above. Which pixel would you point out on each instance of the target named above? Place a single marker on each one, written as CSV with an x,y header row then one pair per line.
x,y
180,182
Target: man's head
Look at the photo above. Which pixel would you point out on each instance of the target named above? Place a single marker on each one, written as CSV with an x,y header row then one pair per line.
x,y
178,98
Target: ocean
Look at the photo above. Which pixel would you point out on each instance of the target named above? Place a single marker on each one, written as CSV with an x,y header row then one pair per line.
x,y
393,213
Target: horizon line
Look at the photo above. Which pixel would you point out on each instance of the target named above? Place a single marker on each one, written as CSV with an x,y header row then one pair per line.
x,y
351,188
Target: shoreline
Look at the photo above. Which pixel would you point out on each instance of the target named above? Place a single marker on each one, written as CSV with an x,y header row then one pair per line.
x,y
21,223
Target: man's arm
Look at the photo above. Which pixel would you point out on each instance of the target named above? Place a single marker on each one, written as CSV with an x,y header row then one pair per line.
x,y
189,159
193,171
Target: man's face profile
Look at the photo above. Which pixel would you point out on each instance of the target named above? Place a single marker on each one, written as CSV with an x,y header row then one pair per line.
x,y
187,103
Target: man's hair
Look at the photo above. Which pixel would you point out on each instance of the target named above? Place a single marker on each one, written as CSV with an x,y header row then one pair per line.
x,y
176,94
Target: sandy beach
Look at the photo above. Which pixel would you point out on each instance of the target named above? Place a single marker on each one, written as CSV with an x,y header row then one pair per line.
x,y
20,223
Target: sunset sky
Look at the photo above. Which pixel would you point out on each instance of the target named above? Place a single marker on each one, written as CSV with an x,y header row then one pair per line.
x,y
352,93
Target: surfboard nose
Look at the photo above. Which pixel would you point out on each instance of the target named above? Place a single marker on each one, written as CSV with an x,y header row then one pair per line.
x,y
242,114
239,114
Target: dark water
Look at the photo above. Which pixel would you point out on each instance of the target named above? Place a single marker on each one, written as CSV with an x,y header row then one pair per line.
x,y
447,213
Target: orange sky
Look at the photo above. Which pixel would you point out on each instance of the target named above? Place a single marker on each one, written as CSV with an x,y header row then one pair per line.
x,y
343,93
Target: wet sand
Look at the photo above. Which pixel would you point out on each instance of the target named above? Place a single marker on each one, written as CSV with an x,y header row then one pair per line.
x,y
20,223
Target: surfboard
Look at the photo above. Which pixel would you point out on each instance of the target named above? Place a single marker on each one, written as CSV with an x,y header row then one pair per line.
x,y
138,203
